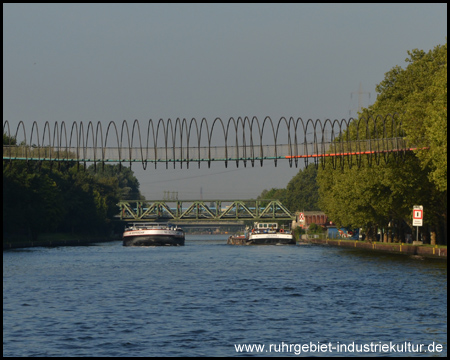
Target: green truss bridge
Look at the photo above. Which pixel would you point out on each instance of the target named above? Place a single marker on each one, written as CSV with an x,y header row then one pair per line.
x,y
203,211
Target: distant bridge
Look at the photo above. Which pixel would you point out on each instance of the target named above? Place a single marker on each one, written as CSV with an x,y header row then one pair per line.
x,y
243,140
203,211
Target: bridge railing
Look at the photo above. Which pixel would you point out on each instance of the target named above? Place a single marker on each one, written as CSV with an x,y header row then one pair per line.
x,y
184,140
204,153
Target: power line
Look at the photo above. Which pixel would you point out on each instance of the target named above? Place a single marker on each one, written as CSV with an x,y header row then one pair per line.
x,y
360,93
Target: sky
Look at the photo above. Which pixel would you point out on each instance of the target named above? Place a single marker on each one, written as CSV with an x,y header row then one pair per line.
x,y
115,62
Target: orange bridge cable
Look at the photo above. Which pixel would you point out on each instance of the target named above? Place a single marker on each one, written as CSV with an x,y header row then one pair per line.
x,y
352,153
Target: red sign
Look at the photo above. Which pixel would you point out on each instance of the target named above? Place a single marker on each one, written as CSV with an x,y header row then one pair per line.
x,y
417,215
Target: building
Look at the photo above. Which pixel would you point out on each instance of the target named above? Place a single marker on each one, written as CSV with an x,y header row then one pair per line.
x,y
306,218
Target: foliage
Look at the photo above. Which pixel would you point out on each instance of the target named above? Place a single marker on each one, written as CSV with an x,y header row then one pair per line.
x,y
303,190
9,140
419,94
382,195
31,201
41,198
314,228
272,194
301,193
298,232
124,180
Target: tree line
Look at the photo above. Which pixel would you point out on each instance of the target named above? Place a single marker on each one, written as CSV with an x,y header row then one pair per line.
x,y
39,197
64,198
381,195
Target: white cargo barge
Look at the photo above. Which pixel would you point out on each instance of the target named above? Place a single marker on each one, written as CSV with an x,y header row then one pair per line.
x,y
153,234
264,234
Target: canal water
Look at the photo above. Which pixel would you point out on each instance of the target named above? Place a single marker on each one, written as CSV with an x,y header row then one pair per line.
x,y
212,299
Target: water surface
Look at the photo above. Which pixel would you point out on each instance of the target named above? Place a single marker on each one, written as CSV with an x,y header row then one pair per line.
x,y
205,297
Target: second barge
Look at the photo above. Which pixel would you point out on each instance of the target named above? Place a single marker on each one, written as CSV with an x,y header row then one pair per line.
x,y
263,234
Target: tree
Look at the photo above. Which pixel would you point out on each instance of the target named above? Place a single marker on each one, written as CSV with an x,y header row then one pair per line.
x,y
9,140
127,183
382,195
31,200
44,198
272,194
314,228
419,94
303,191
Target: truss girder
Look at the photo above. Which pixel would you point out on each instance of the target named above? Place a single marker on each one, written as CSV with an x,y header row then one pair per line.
x,y
194,210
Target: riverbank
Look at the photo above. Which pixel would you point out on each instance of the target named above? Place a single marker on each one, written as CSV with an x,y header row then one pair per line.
x,y
46,240
395,248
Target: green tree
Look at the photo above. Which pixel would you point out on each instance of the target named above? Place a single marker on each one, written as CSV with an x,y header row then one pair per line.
x,y
127,185
272,194
46,198
9,140
314,228
382,195
419,94
302,192
32,201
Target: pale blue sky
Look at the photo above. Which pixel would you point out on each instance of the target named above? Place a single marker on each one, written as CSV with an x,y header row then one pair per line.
x,y
110,62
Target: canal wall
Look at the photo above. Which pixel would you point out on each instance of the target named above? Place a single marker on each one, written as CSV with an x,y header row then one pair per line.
x,y
396,248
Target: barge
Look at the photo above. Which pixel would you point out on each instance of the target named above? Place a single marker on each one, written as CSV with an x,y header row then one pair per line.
x,y
153,234
263,234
